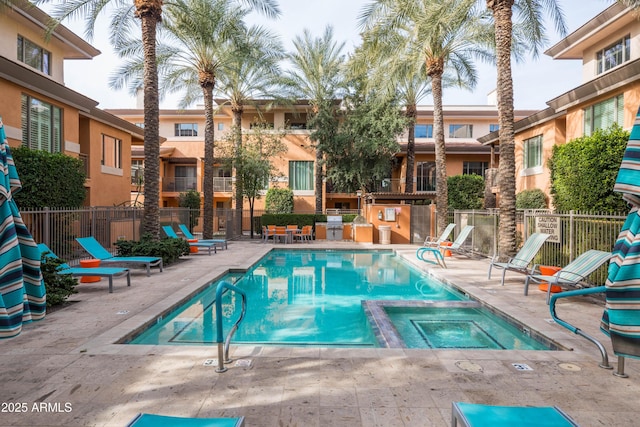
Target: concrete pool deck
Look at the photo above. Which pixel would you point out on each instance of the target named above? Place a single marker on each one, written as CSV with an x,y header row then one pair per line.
x,y
67,371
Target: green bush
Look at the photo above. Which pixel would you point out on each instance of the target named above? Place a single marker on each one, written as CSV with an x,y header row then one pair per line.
x,y
465,191
49,180
584,170
279,200
170,249
531,199
59,287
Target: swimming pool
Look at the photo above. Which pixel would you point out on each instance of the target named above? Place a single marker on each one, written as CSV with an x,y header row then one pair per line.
x,y
302,297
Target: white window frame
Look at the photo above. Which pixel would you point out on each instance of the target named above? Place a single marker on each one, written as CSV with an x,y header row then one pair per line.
x,y
40,58
185,129
590,120
460,131
532,165
613,55
41,124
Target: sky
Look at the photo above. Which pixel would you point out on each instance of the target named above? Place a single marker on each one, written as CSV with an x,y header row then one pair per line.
x,y
536,80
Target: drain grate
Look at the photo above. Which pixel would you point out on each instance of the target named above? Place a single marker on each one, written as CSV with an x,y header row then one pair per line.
x,y
210,362
242,363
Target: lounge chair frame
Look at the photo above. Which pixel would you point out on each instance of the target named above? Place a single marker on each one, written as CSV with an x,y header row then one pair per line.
x,y
199,244
186,233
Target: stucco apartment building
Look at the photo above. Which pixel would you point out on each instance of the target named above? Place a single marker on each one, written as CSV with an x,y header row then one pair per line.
x,y
182,153
39,111
609,47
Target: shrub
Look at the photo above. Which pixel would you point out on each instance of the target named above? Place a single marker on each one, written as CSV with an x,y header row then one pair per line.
x,y
62,186
465,191
584,170
531,199
191,200
58,286
279,200
170,249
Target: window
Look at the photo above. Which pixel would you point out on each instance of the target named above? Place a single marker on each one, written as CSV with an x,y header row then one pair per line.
x,y
532,152
186,129
137,171
613,55
426,176
300,175
220,126
41,125
424,131
604,114
295,120
140,125
474,168
494,127
460,131
34,56
111,152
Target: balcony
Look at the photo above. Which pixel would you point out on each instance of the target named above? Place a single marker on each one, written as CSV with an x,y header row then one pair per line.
x,y
179,184
223,185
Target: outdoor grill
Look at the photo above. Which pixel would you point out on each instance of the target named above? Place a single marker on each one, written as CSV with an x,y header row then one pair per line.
x,y
334,227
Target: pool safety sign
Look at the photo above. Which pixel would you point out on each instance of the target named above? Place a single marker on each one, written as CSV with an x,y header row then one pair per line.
x,y
549,225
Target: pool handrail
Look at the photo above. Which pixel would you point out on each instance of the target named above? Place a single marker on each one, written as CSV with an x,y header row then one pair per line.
x,y
586,291
223,344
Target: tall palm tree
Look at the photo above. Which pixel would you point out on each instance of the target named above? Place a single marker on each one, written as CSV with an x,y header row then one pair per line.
x,y
439,38
149,12
317,75
531,25
198,38
250,74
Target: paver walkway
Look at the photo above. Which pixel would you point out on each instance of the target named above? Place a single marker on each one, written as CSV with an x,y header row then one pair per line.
x,y
67,371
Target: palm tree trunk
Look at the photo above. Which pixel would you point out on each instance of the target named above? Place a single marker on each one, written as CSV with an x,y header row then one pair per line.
x,y
412,114
318,180
502,14
442,194
149,18
237,129
209,147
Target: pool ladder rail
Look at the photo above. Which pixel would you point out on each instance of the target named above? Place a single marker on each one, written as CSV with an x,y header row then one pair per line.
x,y
223,344
603,351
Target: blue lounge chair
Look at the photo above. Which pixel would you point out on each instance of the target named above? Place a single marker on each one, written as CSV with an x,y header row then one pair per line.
x,y
520,263
573,273
108,272
96,250
429,242
475,415
152,420
186,233
199,244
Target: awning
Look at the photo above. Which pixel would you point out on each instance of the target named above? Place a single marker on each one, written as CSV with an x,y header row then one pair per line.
x,y
621,319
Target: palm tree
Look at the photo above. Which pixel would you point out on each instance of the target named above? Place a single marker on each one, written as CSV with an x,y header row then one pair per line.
x,y
149,12
198,38
317,75
531,26
250,74
437,38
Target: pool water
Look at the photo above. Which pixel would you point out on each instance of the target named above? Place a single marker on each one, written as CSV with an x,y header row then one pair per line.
x,y
461,328
317,298
309,297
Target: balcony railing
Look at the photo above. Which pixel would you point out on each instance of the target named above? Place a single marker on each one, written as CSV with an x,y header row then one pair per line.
x,y
179,184
223,184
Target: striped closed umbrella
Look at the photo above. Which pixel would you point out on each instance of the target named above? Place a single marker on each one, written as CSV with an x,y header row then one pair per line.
x,y
621,319
22,291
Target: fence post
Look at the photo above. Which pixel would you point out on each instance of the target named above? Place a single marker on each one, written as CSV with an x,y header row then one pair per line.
x,y
47,228
571,236
495,232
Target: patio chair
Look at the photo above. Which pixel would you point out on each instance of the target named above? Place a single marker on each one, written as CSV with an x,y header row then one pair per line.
x,y
96,250
520,263
186,233
305,234
108,272
430,242
476,415
153,420
197,244
281,234
573,273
